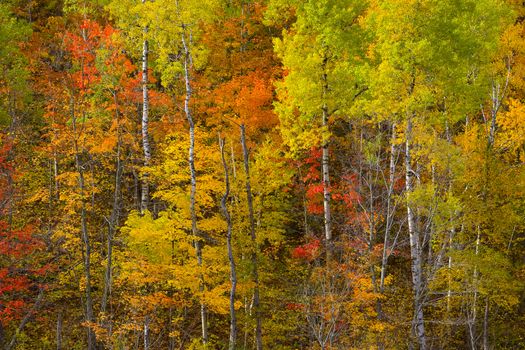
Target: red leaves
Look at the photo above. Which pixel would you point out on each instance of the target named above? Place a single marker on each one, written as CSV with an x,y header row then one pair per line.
x,y
314,196
343,191
295,306
17,247
17,276
83,50
399,184
308,251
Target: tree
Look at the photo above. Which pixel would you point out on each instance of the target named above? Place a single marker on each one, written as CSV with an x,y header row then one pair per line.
x,y
318,53
419,62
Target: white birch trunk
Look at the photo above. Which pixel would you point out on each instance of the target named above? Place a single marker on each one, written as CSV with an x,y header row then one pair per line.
x,y
145,124
418,324
325,164
193,174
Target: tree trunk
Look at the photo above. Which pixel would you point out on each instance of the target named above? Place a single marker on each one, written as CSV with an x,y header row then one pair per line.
x,y
418,324
325,164
389,209
255,267
146,333
113,221
2,336
472,319
486,326
60,318
233,274
233,163
145,124
193,174
86,252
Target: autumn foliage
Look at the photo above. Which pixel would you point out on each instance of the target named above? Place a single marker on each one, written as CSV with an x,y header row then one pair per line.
x,y
262,174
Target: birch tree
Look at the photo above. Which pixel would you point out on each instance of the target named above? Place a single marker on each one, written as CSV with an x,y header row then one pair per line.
x,y
318,52
420,64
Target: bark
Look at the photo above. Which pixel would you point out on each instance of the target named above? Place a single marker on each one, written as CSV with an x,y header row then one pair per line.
x,y
2,336
146,333
497,97
193,174
56,195
233,164
390,207
486,326
452,231
60,318
255,267
145,124
449,265
113,221
233,273
86,252
472,319
418,324
325,164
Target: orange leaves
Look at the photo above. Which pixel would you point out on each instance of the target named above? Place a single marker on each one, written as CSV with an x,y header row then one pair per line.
x,y
338,297
238,83
106,146
82,49
246,98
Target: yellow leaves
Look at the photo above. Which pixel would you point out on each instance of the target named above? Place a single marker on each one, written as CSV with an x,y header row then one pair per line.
x,y
511,134
153,237
439,154
217,299
137,271
165,255
69,178
40,194
388,280
131,327
173,173
214,223
363,289
185,277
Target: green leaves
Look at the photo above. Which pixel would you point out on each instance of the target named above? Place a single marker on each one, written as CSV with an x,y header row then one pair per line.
x,y
432,51
320,53
14,73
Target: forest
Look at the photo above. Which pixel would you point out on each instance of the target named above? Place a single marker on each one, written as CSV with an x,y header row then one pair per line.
x,y
262,174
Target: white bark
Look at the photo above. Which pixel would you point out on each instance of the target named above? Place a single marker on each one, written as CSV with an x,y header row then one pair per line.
x,y
486,345
193,175
145,124
60,317
146,333
325,164
418,324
